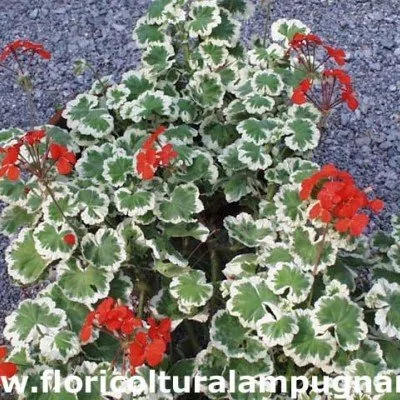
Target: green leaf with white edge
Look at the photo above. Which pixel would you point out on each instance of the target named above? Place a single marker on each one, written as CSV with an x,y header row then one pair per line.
x,y
85,115
236,112
262,56
345,317
385,298
158,58
303,134
25,264
254,156
134,203
289,281
229,158
237,186
291,170
116,96
304,111
137,83
202,169
145,33
258,104
32,319
118,168
183,203
267,82
195,230
204,17
284,29
214,55
159,10
241,266
227,32
60,346
49,241
250,300
279,331
206,89
229,336
181,134
106,249
84,284
394,257
66,202
217,135
260,132
100,84
121,288
14,217
191,290
290,208
148,105
169,269
164,250
94,205
309,346
250,232
239,8
21,356
305,249
8,136
12,192
91,164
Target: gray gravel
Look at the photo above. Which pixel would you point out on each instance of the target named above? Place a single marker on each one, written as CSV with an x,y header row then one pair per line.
x,y
366,142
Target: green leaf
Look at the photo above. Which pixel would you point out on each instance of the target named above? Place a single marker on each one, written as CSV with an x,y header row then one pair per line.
x,y
118,168
250,232
121,288
32,319
237,187
66,202
285,29
206,90
195,230
104,249
94,205
278,331
12,191
217,135
134,203
260,132
25,264
85,285
116,96
214,55
229,336
385,298
290,208
303,134
158,11
60,346
86,116
258,104
158,58
227,32
254,156
191,290
7,136
289,281
145,33
181,134
304,111
308,345
204,17
49,241
345,317
267,82
250,300
183,203
241,266
15,217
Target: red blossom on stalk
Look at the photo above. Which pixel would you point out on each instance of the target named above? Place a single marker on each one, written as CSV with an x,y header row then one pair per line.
x,y
33,137
339,200
9,169
65,159
141,343
24,47
150,159
7,369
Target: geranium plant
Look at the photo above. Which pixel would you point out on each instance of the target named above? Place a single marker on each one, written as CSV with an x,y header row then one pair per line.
x,y
181,223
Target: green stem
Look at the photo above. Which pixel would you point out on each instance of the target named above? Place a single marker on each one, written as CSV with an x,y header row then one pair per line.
x,y
267,19
142,297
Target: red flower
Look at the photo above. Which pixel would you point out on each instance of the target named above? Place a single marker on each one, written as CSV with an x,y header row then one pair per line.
x,y
342,76
299,94
142,350
87,329
338,55
349,98
7,369
65,159
34,137
339,200
26,47
161,330
70,239
8,167
166,154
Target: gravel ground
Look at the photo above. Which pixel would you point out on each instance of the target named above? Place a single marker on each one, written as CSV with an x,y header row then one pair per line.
x,y
366,142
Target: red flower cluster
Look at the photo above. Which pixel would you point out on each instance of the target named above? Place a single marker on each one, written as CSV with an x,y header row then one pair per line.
x,y
12,159
339,200
141,343
149,159
65,160
7,369
25,47
331,95
69,239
